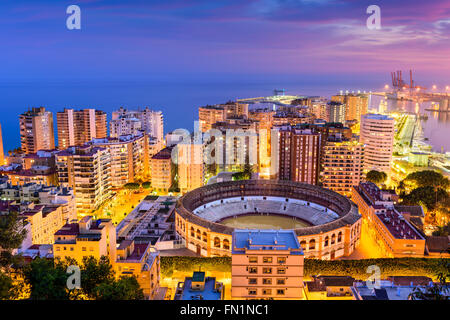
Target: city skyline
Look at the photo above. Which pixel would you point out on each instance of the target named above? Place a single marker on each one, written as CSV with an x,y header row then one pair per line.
x,y
224,150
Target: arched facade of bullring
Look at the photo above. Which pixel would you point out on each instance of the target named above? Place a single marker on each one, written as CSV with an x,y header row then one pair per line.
x,y
331,240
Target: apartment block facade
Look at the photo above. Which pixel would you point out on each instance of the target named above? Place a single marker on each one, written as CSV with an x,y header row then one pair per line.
x,y
36,130
87,170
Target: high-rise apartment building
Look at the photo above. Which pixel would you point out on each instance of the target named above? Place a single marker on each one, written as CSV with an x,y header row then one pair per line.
x,y
299,154
336,112
129,158
162,170
189,166
209,115
151,122
76,127
356,105
36,130
87,170
377,133
266,264
342,164
125,126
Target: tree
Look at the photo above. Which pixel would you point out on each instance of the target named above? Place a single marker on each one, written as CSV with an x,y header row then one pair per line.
x,y
439,290
7,288
427,178
146,185
132,186
12,234
95,272
47,279
425,196
377,177
126,288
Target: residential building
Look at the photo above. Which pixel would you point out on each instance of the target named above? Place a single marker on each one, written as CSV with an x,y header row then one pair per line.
x,y
209,115
199,287
162,171
87,237
356,105
141,260
190,167
342,163
377,133
36,130
129,158
329,288
76,127
125,126
336,112
395,235
152,122
266,264
299,154
87,170
392,288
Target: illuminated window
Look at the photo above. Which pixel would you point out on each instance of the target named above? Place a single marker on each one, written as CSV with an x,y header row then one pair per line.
x,y
267,259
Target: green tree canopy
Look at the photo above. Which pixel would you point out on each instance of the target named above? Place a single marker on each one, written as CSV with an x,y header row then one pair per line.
x,y
126,288
146,184
427,196
427,178
95,272
132,186
47,279
377,177
12,234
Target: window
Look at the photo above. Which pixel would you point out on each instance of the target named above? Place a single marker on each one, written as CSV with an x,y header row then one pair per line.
x,y
252,292
281,281
267,281
312,244
267,259
252,270
83,248
280,292
253,259
281,260
252,281
267,270
327,239
71,248
281,270
267,292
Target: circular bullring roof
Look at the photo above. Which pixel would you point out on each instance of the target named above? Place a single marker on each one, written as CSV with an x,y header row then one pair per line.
x,y
346,211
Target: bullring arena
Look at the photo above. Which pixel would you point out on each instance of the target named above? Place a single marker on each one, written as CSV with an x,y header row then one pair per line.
x,y
327,224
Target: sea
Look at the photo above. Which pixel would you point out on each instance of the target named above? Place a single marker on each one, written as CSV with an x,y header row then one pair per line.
x,y
178,100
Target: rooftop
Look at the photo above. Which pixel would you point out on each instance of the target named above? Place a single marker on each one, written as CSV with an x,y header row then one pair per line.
x,y
265,240
208,293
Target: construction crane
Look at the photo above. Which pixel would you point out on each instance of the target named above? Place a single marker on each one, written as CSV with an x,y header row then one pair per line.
x,y
399,84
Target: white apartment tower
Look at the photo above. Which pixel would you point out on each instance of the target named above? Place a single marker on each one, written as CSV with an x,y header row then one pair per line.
x,y
151,122
377,133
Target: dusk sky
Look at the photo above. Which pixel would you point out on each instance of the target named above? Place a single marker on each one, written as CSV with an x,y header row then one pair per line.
x,y
175,55
157,39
